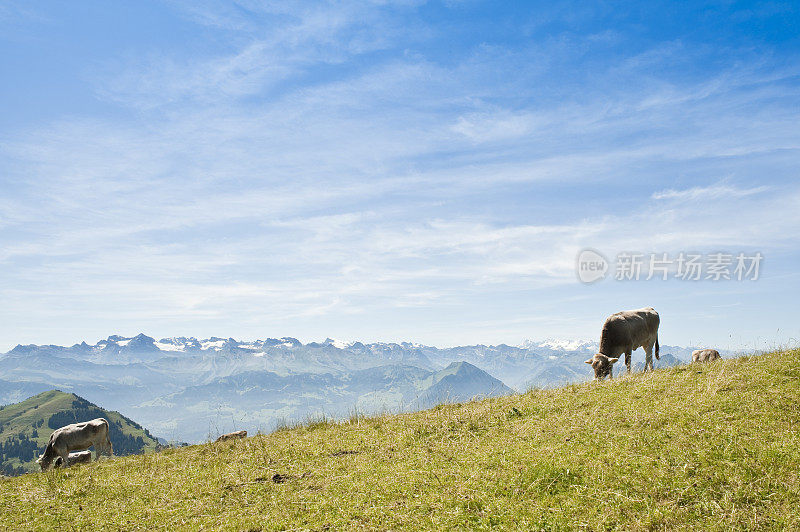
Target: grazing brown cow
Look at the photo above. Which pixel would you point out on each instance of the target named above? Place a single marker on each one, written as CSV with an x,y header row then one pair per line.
x,y
239,434
81,457
76,437
705,355
624,332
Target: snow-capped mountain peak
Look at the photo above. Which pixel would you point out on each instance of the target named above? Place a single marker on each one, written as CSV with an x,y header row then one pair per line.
x,y
338,344
556,344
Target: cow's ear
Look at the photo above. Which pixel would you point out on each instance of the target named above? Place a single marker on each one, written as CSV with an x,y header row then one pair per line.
x,y
613,360
589,361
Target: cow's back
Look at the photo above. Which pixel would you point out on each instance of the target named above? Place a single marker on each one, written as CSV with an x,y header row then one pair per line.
x,y
628,329
80,436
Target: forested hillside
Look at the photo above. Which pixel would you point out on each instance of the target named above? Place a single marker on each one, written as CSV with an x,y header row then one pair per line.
x,y
25,428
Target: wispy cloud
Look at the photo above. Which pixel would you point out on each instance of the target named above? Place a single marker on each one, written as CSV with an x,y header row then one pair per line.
x,y
709,193
329,160
283,42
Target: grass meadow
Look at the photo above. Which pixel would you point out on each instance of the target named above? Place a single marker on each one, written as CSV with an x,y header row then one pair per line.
x,y
696,447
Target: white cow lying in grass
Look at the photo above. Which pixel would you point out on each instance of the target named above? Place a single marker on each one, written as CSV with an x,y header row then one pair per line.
x,y
705,355
81,457
239,434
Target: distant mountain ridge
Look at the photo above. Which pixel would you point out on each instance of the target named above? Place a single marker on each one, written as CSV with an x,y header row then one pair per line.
x,y
454,384
186,388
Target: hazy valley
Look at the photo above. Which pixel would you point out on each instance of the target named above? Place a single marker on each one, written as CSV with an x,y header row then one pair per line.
x,y
188,389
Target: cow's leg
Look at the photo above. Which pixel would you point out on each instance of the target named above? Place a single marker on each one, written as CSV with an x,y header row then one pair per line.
x,y
648,357
104,448
64,459
628,360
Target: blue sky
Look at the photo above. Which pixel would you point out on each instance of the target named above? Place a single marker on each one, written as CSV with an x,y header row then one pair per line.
x,y
423,171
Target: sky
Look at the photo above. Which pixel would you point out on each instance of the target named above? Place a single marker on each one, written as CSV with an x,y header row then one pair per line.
x,y
395,171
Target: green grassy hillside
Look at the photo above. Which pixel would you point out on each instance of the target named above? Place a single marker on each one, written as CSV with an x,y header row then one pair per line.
x,y
25,428
713,447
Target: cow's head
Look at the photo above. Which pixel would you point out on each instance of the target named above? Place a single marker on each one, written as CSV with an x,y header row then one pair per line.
x,y
602,365
44,461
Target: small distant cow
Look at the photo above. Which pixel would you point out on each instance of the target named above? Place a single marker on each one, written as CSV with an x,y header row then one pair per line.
x,y
705,355
81,457
624,332
76,437
239,434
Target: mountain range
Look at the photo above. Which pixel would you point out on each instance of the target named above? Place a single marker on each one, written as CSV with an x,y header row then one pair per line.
x,y
190,389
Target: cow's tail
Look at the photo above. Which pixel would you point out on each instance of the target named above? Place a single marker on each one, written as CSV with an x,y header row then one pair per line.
x,y
657,355
110,446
